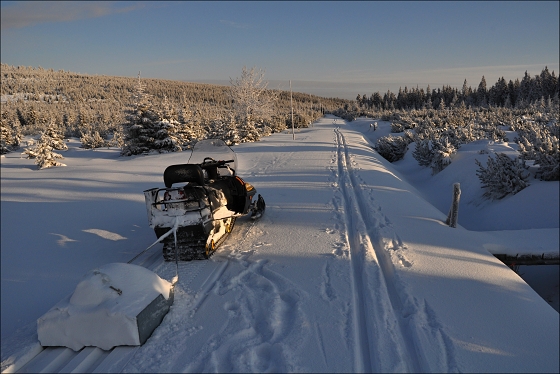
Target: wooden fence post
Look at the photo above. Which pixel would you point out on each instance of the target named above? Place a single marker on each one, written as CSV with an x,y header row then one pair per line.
x,y
454,211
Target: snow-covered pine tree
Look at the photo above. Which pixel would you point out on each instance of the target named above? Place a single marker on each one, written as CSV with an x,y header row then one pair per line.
x,y
5,139
423,152
10,136
541,144
146,130
46,158
44,154
481,93
441,104
56,137
502,176
118,138
435,153
442,151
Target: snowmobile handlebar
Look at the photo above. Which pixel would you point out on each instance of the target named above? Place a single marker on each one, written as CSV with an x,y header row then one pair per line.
x,y
209,161
211,165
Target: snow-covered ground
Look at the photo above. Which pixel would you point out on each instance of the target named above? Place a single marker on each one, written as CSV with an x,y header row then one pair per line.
x,y
350,269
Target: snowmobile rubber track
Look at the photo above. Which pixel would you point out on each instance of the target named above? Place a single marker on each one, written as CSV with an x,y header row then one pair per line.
x,y
191,244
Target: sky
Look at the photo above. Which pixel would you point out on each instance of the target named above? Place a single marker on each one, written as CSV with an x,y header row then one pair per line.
x,y
331,48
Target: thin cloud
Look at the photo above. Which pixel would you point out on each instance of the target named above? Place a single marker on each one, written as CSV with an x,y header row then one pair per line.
x,y
236,25
30,13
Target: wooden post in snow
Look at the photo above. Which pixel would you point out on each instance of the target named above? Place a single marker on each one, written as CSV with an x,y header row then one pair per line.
x,y
292,105
454,211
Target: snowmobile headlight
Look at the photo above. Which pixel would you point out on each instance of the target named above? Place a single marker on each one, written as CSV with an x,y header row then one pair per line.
x,y
249,186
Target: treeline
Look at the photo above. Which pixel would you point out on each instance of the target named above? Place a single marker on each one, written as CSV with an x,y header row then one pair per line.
x,y
544,87
32,98
436,123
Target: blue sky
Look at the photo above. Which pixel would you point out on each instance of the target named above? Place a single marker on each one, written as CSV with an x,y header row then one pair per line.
x,y
327,48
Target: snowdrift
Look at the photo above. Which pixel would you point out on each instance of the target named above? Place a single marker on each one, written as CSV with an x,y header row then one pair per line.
x,y
115,304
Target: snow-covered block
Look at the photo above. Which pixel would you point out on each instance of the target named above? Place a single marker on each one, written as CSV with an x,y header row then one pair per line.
x,y
115,304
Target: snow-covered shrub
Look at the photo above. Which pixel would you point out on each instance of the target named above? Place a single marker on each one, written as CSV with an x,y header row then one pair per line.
x,y
300,121
392,148
93,140
249,132
496,134
226,130
116,139
502,176
397,127
434,153
540,143
548,167
442,150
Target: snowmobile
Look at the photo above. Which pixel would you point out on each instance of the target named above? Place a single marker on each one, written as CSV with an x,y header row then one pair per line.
x,y
200,202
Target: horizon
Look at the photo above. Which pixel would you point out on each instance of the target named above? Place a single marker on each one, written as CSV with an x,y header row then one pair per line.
x,y
321,89
328,49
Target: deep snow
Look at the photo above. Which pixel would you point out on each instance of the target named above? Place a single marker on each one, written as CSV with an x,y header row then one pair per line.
x,y
350,269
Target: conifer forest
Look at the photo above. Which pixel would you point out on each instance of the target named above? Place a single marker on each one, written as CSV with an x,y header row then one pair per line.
x,y
141,115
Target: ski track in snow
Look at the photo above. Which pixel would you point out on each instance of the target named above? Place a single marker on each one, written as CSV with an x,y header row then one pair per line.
x,y
404,329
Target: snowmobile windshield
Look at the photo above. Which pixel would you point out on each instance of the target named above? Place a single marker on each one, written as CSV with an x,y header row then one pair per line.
x,y
216,149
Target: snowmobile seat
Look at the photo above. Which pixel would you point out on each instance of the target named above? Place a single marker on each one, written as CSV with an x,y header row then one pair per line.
x,y
183,173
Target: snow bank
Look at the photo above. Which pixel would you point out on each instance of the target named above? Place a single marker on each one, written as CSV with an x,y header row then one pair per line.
x,y
115,304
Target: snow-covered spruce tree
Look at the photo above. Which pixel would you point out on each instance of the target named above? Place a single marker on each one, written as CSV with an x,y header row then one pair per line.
x,y
167,138
423,152
442,150
44,154
225,129
189,129
146,130
434,153
56,137
502,176
549,168
10,136
541,144
393,148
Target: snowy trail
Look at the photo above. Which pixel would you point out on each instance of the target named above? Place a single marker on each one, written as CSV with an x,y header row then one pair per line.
x,y
371,265
348,270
